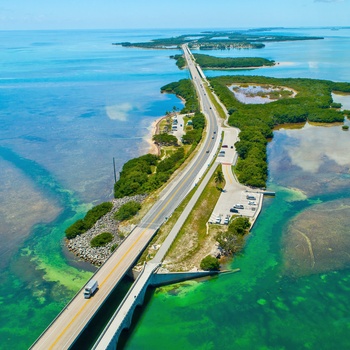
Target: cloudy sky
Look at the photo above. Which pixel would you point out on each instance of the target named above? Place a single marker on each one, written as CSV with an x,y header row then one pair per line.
x,y
114,14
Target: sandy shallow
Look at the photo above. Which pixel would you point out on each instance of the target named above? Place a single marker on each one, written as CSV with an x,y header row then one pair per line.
x,y
153,130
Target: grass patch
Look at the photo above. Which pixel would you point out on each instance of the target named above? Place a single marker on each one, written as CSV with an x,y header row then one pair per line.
x,y
165,229
194,232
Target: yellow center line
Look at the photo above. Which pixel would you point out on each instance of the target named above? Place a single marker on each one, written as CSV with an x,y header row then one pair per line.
x,y
227,171
126,253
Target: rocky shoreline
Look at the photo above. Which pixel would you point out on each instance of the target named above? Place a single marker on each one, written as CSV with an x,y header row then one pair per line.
x,y
80,245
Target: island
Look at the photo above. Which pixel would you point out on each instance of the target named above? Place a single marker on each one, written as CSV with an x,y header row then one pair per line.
x,y
218,40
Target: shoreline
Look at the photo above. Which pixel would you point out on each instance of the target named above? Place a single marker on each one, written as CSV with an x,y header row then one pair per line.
x,y
153,130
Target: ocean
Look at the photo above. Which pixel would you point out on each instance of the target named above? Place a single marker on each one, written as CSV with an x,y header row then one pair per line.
x,y
71,101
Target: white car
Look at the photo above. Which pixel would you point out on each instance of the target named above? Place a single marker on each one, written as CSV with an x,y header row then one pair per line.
x,y
251,203
218,220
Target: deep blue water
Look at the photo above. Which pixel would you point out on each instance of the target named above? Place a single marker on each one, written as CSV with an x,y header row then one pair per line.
x,y
70,102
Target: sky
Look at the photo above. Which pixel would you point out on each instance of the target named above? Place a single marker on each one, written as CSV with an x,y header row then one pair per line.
x,y
120,14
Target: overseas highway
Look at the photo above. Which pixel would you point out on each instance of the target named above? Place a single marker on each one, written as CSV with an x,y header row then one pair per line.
x,y
75,317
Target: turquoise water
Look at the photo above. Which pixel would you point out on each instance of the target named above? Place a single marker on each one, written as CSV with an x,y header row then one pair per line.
x,y
293,288
70,102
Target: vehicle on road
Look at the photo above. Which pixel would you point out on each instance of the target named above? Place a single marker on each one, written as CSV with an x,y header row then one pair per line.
x,y
227,220
90,289
224,146
251,197
218,220
234,210
238,206
207,151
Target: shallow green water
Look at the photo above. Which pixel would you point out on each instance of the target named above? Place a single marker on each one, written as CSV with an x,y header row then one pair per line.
x,y
71,102
266,305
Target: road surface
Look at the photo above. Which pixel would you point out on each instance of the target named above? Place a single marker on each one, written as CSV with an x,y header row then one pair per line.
x,y
77,314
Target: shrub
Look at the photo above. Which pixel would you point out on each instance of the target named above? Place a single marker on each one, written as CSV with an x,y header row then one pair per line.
x,y
96,213
75,229
114,247
101,240
127,211
336,105
209,263
89,220
232,240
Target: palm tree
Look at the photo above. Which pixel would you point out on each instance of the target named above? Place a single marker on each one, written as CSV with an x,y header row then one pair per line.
x,y
175,109
219,178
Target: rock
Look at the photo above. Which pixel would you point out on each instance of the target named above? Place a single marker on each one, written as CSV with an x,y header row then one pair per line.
x,y
80,245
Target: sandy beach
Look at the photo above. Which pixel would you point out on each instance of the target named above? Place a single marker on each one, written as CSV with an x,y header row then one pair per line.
x,y
153,129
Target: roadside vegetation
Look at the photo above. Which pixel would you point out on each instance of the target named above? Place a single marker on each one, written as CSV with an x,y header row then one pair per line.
x,y
195,239
194,135
312,103
180,61
89,220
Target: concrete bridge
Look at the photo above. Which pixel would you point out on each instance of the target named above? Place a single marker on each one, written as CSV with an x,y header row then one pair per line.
x,y
123,316
75,317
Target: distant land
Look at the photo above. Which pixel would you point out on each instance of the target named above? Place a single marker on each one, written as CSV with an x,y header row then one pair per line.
x,y
211,40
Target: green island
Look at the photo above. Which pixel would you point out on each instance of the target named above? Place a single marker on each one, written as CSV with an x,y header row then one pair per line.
x,y
206,61
222,40
286,101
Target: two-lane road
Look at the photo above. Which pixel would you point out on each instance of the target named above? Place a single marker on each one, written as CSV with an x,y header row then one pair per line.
x,y
62,333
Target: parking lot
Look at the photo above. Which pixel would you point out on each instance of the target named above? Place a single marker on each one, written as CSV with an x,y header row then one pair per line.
x,y
231,204
227,152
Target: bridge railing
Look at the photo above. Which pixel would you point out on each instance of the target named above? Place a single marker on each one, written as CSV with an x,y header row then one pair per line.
x,y
130,291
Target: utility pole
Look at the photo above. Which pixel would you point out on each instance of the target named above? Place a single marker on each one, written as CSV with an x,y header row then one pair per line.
x,y
115,175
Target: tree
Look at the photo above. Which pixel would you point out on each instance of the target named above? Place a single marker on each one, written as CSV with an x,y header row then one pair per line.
x,y
209,263
165,140
219,178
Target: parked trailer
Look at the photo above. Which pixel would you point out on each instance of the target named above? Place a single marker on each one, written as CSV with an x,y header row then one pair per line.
x,y
90,289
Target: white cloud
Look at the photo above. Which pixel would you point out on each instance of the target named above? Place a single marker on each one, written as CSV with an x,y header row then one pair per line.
x,y
119,112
